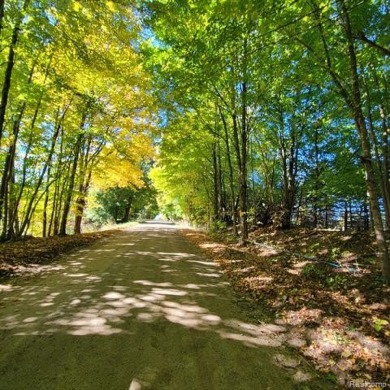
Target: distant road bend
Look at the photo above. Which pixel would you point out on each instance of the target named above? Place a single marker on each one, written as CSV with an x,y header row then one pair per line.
x,y
142,310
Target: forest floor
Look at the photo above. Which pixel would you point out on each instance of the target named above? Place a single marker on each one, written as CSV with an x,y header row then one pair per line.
x,y
32,255
325,286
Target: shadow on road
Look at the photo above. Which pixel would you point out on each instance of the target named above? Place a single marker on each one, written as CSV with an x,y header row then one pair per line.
x,y
146,309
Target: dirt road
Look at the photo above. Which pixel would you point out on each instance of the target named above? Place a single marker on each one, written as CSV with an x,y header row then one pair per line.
x,y
143,310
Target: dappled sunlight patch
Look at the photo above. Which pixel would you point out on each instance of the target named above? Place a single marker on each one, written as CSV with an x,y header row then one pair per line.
x,y
7,287
268,253
113,295
30,293
243,271
152,297
176,255
266,250
286,361
302,376
378,306
191,286
296,337
76,275
255,330
266,334
182,317
295,272
301,264
146,317
154,284
251,341
167,269
209,275
303,316
345,351
257,282
165,292
88,322
193,308
211,319
100,250
213,247
208,263
30,319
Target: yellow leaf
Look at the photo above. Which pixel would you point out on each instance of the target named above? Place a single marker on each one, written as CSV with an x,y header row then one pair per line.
x,y
111,6
76,6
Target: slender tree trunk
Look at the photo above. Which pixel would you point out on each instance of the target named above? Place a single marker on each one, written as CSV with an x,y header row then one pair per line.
x,y
45,225
345,216
386,160
54,223
366,147
241,183
7,176
14,196
72,178
385,125
216,192
231,173
289,167
379,165
1,16
317,182
33,201
10,66
243,179
81,203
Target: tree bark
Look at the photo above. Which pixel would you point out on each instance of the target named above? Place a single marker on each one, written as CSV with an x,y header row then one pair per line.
x,y
366,158
72,179
231,172
81,203
215,184
1,16
10,66
243,179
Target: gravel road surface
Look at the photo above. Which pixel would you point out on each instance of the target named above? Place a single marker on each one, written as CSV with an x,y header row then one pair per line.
x,y
142,310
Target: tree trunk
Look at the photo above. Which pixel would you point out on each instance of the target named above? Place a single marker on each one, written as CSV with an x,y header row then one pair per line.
x,y
81,203
10,66
72,179
243,179
366,158
379,165
288,153
1,17
231,173
216,187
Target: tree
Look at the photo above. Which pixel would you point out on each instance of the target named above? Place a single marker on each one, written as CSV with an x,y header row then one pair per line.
x,y
75,86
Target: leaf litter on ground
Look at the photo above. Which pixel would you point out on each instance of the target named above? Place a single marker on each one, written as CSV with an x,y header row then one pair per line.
x,y
325,286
